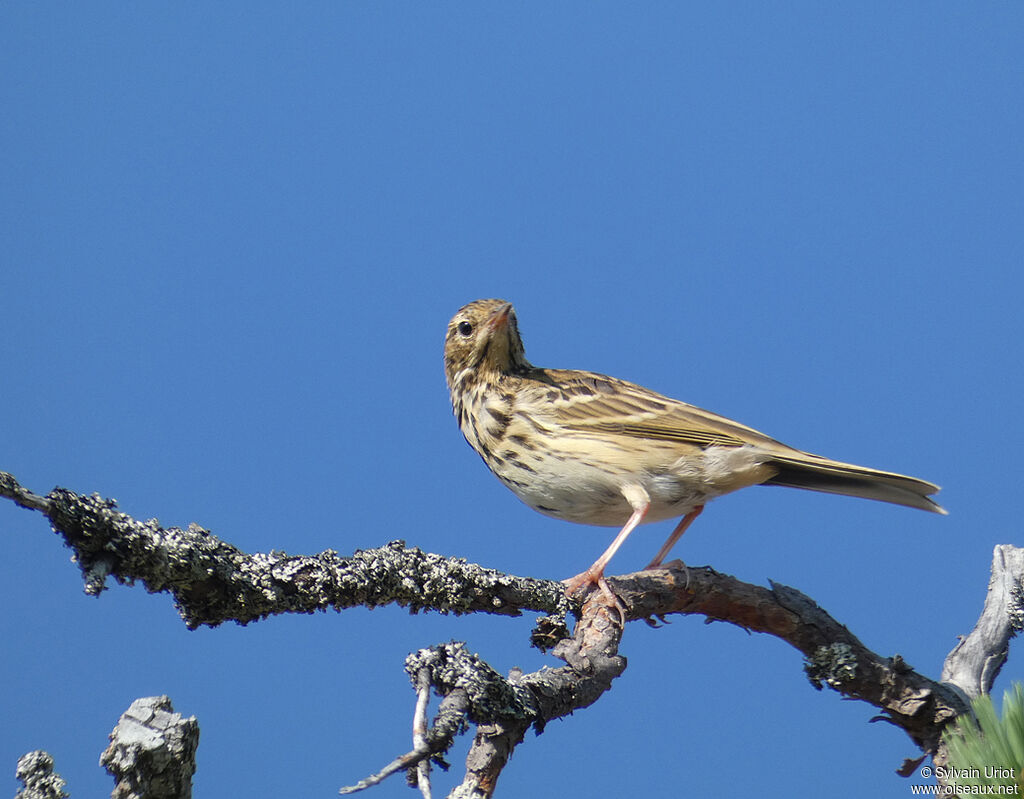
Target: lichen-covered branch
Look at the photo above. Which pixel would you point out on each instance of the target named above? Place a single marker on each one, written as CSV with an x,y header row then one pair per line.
x,y
505,708
213,581
37,777
592,662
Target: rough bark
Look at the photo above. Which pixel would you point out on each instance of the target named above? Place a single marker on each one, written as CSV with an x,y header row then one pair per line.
x,y
39,780
152,752
975,662
213,582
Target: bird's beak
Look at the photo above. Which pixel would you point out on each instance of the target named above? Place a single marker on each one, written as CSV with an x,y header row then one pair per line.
x,y
499,319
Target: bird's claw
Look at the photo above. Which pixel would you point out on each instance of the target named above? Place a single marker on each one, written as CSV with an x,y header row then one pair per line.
x,y
574,584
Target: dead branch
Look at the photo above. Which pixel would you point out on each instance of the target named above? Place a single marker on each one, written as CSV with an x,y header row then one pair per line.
x,y
152,755
152,752
975,662
213,581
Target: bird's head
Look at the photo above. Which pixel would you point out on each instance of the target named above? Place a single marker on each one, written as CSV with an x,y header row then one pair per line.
x,y
483,339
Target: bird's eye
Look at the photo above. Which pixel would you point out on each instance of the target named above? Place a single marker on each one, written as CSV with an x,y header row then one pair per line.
x,y
465,328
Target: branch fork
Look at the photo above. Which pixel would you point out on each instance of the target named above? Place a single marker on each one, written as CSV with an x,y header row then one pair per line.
x,y
213,582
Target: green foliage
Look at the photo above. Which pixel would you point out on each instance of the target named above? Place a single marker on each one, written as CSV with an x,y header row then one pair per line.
x,y
988,752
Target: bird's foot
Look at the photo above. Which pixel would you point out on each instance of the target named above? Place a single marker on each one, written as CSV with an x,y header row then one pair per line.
x,y
592,578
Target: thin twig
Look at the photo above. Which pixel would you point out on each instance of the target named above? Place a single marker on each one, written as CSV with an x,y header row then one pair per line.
x,y
419,731
401,763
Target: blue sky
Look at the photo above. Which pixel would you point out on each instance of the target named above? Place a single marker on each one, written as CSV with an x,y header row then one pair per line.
x,y
233,235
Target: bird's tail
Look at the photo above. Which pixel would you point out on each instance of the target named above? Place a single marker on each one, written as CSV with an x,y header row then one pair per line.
x,y
833,477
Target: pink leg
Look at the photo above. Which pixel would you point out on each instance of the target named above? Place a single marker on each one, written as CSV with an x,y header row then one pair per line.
x,y
592,575
681,528
595,574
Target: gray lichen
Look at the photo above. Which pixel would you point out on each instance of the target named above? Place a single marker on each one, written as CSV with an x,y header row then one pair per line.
x,y
833,665
491,696
39,780
213,581
1015,609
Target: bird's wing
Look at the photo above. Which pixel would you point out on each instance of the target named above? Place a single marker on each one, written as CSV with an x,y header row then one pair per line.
x,y
586,401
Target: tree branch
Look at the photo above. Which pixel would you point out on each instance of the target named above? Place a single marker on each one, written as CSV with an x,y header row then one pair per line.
x,y
975,662
213,581
152,755
834,656
504,709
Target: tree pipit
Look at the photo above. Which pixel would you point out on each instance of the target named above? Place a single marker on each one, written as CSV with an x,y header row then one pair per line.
x,y
593,449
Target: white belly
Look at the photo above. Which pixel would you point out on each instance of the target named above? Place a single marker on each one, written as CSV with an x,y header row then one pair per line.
x,y
596,493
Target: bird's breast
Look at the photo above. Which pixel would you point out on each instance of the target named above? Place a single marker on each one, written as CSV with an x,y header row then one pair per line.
x,y
579,476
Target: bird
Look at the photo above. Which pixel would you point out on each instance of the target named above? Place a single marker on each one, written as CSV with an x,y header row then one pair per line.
x,y
592,449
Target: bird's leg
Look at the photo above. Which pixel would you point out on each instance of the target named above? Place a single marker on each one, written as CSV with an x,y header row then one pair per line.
x,y
681,528
596,572
640,502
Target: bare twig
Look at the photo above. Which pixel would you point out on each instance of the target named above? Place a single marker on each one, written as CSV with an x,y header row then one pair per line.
x,y
450,721
400,763
975,662
22,497
419,730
